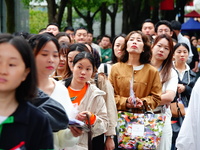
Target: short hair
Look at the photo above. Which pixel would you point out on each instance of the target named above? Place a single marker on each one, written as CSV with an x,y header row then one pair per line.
x,y
163,22
106,36
147,21
176,25
145,56
27,90
38,41
60,34
68,28
80,28
55,24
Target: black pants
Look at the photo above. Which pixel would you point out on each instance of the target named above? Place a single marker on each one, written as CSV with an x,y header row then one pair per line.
x,y
98,142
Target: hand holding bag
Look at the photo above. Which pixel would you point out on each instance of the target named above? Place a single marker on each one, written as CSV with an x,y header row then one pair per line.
x,y
139,130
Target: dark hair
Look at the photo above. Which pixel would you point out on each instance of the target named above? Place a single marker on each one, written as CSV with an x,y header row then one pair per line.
x,y
28,88
77,58
163,22
60,34
145,56
176,25
113,57
55,24
181,44
42,29
106,36
84,55
64,48
80,47
38,41
23,34
68,28
147,21
80,28
167,63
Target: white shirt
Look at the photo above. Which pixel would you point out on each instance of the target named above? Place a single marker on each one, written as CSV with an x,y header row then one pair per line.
x,y
189,135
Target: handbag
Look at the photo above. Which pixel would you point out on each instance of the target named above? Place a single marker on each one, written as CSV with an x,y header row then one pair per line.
x,y
177,109
139,130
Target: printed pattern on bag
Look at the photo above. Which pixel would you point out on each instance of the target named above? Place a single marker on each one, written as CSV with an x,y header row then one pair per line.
x,y
139,131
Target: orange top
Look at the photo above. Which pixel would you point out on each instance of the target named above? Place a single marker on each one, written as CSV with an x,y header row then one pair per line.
x,y
76,96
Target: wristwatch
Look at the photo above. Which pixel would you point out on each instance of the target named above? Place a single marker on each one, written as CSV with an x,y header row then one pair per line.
x,y
111,136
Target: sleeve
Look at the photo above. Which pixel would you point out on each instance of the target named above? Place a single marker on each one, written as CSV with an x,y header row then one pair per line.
x,y
119,100
172,84
53,110
190,132
188,88
112,110
100,110
64,138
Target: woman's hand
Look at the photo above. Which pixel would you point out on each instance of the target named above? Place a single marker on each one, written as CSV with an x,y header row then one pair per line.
x,y
76,131
130,104
82,115
181,88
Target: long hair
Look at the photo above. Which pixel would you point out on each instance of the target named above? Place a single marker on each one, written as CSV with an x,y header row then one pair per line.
x,y
165,72
28,88
114,58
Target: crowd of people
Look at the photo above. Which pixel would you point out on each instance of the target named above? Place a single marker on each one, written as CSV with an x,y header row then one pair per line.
x,y
62,76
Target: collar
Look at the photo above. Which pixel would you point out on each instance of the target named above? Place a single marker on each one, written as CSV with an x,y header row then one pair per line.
x,y
139,67
186,65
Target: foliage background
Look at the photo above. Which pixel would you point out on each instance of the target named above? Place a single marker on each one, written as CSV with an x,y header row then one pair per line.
x,y
37,20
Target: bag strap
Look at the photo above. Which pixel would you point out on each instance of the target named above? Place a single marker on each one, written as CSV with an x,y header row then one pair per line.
x,y
96,79
105,69
178,108
89,133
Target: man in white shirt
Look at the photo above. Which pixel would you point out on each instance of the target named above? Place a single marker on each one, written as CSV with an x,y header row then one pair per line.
x,y
189,135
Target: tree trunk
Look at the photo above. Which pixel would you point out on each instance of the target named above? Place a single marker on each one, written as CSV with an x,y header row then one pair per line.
x,y
10,23
89,22
155,14
61,10
125,16
134,9
103,18
51,5
145,11
113,17
69,14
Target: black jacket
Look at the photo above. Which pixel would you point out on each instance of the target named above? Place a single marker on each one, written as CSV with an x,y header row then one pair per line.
x,y
189,79
27,128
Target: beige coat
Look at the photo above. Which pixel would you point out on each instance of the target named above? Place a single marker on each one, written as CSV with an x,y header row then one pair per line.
x,y
105,85
94,102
